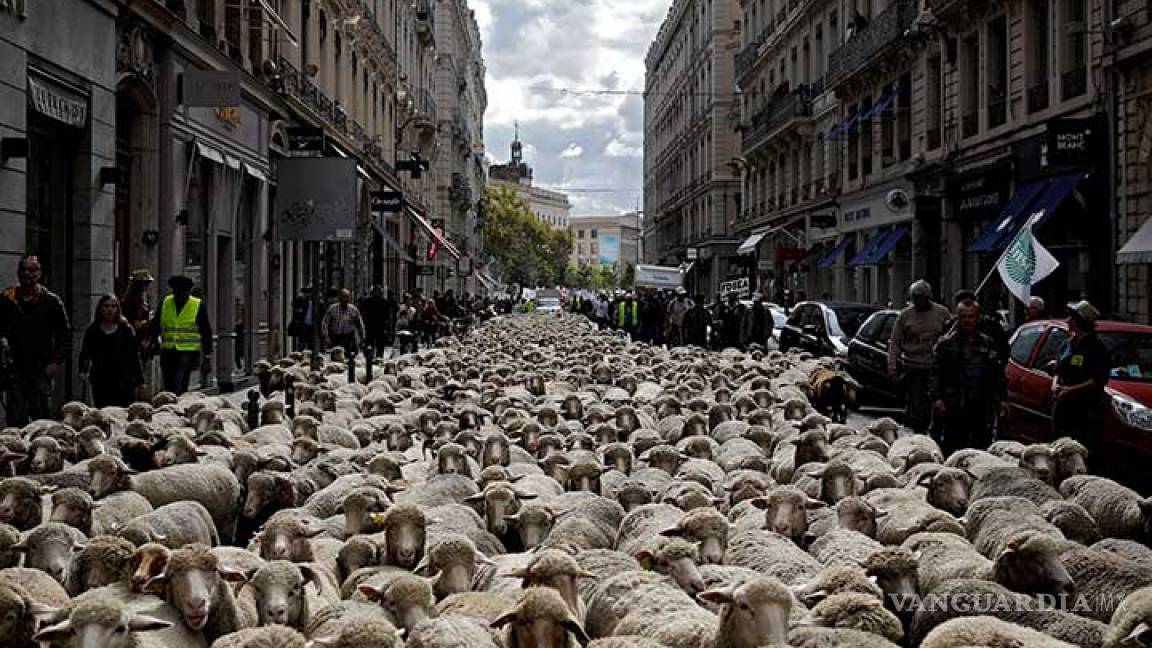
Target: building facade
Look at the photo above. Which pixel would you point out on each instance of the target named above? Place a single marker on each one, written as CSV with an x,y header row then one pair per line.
x,y
606,240
551,208
691,144
118,156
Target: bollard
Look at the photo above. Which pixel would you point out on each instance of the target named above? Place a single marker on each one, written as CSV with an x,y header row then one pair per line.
x,y
289,397
253,409
351,368
369,356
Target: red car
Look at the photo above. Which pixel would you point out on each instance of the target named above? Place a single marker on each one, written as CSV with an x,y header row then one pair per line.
x,y
1036,346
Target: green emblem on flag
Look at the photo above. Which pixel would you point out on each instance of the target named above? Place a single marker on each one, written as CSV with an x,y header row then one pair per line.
x,y
1020,260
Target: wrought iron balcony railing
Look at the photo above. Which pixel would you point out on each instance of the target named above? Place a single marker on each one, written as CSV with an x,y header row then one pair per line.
x,y
877,37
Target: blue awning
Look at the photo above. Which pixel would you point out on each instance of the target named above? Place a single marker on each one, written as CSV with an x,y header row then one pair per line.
x,y
844,126
883,104
1057,191
866,252
835,253
885,248
997,234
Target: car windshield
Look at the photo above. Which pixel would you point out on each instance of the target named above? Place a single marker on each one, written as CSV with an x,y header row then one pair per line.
x,y
848,320
1131,355
549,301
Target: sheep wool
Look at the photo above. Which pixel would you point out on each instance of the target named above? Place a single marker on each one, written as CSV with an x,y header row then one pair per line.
x,y
987,631
858,612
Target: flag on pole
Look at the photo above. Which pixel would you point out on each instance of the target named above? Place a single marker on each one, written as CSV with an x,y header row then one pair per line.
x,y
1025,263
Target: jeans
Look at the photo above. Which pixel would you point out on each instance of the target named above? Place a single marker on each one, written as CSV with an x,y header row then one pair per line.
x,y
29,399
176,367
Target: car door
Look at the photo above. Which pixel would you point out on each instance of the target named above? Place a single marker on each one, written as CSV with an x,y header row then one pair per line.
x,y
863,351
791,335
812,330
1036,381
1027,407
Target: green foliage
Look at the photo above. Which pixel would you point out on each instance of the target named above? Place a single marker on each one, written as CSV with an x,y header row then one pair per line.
x,y
628,277
526,251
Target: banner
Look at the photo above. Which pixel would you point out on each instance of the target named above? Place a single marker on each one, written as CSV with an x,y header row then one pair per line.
x,y
609,249
1025,263
650,276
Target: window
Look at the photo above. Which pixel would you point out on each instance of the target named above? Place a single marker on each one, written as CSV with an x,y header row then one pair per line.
x,y
887,134
1074,77
904,118
853,146
866,139
593,235
206,14
970,84
870,332
997,72
1051,349
580,234
1023,344
933,80
1039,52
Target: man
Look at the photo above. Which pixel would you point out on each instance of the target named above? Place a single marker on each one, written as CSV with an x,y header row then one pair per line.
x,y
968,383
652,320
731,318
757,325
300,328
35,324
914,336
343,326
1079,404
628,314
988,325
374,310
182,332
392,312
696,321
1036,310
136,307
677,308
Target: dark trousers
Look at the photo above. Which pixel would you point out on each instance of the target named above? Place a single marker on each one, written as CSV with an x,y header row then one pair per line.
x,y
108,393
347,341
959,432
176,367
918,409
29,399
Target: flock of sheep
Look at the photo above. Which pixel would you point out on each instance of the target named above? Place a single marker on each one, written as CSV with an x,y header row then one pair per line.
x,y
540,484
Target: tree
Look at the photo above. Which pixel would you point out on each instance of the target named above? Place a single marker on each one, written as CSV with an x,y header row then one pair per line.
x,y
628,277
526,251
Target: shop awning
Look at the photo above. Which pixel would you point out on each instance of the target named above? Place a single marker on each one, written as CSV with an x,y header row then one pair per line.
x,y
394,245
438,238
844,126
862,257
1138,249
1057,191
750,243
836,252
883,104
887,245
997,234
209,153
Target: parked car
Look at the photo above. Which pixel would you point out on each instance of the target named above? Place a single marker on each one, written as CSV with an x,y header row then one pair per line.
x,y
1035,349
868,359
823,328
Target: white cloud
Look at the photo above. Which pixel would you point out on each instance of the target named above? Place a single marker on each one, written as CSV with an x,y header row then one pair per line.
x,y
573,151
616,148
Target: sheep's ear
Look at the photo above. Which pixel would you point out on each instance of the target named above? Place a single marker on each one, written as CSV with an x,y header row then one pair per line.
x,y
506,618
232,575
422,568
759,502
717,596
144,623
48,489
313,532
815,503
573,626
926,480
372,592
309,575
21,546
1137,636
484,560
41,611
879,514
474,499
57,633
516,572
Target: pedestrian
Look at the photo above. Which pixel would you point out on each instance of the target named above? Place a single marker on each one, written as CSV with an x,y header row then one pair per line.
x,y
1036,310
343,325
988,325
391,312
428,321
696,322
1082,372
757,325
677,309
110,356
182,332
731,318
602,311
34,321
300,328
406,334
967,384
652,320
910,361
375,311
628,314
137,307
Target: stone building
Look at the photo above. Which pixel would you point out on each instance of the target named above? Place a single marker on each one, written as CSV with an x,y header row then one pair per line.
x,y
606,240
691,146
551,208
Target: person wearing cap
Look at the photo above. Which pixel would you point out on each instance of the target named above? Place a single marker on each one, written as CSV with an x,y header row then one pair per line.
x,y
1082,372
182,332
35,324
136,307
910,360
967,385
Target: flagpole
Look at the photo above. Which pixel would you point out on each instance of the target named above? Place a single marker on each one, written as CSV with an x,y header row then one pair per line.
x,y
996,266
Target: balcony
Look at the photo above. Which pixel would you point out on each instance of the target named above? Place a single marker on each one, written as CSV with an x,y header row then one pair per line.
x,y
424,106
1073,83
425,20
880,36
746,57
1038,97
780,113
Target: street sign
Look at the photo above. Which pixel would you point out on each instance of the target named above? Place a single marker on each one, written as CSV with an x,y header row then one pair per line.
x,y
425,271
316,199
692,254
740,287
305,139
386,202
210,88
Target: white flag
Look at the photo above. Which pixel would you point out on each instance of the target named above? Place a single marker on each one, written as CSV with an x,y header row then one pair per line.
x,y
1025,263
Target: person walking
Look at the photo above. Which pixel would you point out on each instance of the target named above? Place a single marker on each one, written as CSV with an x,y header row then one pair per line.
x,y
1036,310
967,384
136,307
757,325
33,320
110,356
1082,372
374,309
300,328
696,321
628,315
914,336
182,332
343,325
678,307
731,319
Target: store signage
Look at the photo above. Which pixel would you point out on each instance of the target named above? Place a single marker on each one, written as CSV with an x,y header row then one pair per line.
x,y
18,8
210,88
692,254
305,139
425,271
59,104
314,199
386,202
853,215
981,195
1068,141
740,287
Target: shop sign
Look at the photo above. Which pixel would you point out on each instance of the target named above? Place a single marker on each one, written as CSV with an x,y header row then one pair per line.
x,y
18,8
854,215
228,115
210,88
692,254
315,199
386,202
741,287
425,271
53,101
1068,141
980,195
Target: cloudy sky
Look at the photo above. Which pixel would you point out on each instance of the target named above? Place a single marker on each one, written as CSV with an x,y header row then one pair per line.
x,y
538,52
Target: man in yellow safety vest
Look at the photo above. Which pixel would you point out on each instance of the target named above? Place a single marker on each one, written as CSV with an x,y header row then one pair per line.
x,y
628,314
183,335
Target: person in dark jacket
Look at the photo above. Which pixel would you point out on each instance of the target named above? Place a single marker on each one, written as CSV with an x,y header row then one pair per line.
x,y
967,384
301,328
110,356
375,313
35,323
731,317
757,325
1082,372
696,321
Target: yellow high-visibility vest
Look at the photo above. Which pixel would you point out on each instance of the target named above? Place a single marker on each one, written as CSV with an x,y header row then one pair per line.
x,y
178,330
622,313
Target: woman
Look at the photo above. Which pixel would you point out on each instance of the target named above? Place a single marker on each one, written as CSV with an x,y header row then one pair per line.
x,y
110,356
1078,400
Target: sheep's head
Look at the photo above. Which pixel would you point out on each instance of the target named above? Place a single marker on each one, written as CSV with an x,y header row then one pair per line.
x,y
407,598
948,489
676,558
540,619
1070,458
20,503
632,494
359,505
404,532
811,446
496,450
452,459
103,561
50,547
268,491
95,622
754,613
148,561
1029,562
180,450
555,569
856,611
1038,460
195,582
896,571
497,502
785,511
664,457
47,456
288,537
856,514
837,480
453,559
708,529
73,507
885,428
533,522
109,475
278,587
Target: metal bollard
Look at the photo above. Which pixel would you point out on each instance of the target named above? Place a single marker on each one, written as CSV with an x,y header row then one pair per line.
x,y
289,397
351,368
253,409
369,356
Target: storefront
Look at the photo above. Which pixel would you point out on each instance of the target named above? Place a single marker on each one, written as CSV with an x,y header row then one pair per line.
x,y
872,261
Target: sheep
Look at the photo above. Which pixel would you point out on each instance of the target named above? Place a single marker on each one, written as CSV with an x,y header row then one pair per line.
x,y
173,525
949,489
20,504
908,513
844,547
1131,624
836,580
213,486
104,560
1103,579
1119,512
773,555
1128,549
100,621
1018,482
993,520
906,452
195,587
987,631
25,595
408,599
856,611
1069,458
785,510
365,633
453,558
1072,520
264,637
405,532
9,537
279,589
